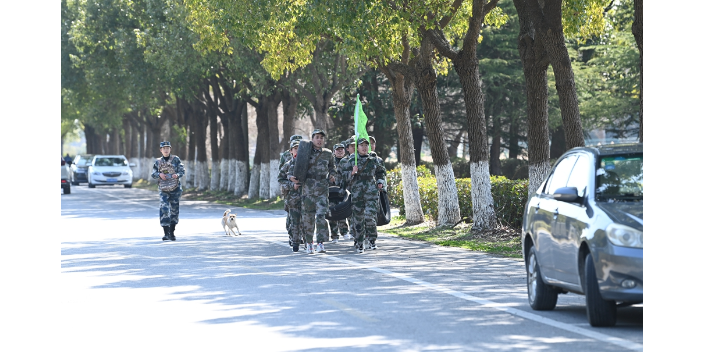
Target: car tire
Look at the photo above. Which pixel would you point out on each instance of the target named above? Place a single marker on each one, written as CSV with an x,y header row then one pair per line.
x,y
600,312
541,296
67,189
90,185
128,186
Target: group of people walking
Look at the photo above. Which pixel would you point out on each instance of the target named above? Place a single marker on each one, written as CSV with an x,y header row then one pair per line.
x,y
361,172
306,200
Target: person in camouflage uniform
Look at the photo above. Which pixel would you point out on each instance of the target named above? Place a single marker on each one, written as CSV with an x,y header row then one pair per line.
x,y
349,148
315,191
286,156
365,180
338,227
292,199
165,168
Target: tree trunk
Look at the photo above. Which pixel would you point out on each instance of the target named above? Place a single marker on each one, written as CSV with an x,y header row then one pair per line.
x,y
535,65
202,178
637,29
495,149
548,24
190,118
513,147
214,150
426,82
274,149
402,89
558,146
263,145
290,104
255,177
418,133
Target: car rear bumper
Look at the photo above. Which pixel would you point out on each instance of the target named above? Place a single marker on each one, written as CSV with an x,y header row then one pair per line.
x,y
616,269
80,177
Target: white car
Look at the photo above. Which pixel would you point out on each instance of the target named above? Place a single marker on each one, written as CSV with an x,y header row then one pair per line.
x,y
109,170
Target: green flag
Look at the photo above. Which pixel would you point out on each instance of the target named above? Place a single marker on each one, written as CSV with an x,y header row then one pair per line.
x,y
360,126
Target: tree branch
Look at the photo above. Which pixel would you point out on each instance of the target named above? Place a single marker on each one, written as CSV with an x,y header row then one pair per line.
x,y
437,37
446,20
488,7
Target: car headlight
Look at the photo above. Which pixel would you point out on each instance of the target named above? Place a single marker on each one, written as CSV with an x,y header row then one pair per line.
x,y
125,173
625,236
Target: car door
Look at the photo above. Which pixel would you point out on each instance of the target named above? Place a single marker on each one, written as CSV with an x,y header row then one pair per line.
x,y
545,213
571,221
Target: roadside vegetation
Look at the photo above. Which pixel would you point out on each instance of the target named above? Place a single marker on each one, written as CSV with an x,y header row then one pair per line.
x,y
502,241
220,197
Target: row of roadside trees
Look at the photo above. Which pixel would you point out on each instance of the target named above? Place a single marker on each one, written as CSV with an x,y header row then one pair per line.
x,y
130,67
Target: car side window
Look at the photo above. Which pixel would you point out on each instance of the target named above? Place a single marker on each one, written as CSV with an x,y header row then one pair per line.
x,y
579,177
560,175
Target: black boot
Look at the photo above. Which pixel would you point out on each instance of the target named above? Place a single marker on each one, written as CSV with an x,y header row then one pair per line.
x,y
167,234
172,228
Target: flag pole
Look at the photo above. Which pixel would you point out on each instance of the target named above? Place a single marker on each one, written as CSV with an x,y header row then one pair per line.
x,y
356,118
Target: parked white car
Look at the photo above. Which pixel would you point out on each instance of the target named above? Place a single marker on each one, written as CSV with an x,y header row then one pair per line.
x,y
109,170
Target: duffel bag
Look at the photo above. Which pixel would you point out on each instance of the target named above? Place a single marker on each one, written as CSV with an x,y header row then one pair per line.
x,y
383,214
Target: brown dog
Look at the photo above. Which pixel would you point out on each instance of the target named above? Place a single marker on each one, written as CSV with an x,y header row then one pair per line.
x,y
229,222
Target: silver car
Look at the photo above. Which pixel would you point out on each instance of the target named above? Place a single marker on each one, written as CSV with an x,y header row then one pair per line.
x,y
583,231
109,170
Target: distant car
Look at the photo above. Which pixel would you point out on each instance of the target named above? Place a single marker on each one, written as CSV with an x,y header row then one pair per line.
x,y
109,170
79,169
583,231
65,177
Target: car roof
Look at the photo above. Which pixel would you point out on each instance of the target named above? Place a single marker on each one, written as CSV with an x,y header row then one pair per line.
x,y
612,149
109,156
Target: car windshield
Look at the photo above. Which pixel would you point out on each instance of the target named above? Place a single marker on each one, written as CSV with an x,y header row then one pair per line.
x,y
82,161
106,161
619,178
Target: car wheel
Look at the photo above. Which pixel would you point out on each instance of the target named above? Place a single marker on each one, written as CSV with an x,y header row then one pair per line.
x,y
541,296
67,189
600,312
128,186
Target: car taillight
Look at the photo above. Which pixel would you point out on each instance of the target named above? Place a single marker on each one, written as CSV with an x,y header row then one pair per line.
x,y
63,181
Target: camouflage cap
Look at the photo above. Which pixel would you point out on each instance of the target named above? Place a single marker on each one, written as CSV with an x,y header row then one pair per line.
x,y
294,143
339,145
295,137
362,140
164,144
372,139
316,131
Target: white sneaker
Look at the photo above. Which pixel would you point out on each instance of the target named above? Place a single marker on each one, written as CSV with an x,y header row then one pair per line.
x,y
321,248
334,240
360,247
347,237
367,245
372,244
309,248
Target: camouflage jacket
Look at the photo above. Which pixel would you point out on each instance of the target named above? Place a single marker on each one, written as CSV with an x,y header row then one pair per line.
x,y
321,166
287,188
176,164
285,157
371,172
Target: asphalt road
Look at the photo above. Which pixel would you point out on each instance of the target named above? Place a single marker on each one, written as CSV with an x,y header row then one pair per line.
x,y
123,288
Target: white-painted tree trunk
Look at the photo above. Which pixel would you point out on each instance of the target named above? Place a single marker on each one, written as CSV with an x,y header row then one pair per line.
x,y
411,195
231,175
190,174
483,212
224,174
202,175
264,181
536,175
241,178
254,182
448,201
274,188
215,176
145,171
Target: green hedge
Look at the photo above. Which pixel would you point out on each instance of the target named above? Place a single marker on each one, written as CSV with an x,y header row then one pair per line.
x,y
510,196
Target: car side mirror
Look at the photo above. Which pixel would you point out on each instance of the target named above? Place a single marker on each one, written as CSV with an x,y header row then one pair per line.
x,y
566,194
133,164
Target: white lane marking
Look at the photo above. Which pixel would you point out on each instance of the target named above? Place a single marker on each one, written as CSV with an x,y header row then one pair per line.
x,y
127,201
634,346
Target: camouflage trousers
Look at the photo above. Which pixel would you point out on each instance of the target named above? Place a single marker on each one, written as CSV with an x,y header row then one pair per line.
x,y
338,227
363,219
293,221
168,207
313,219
